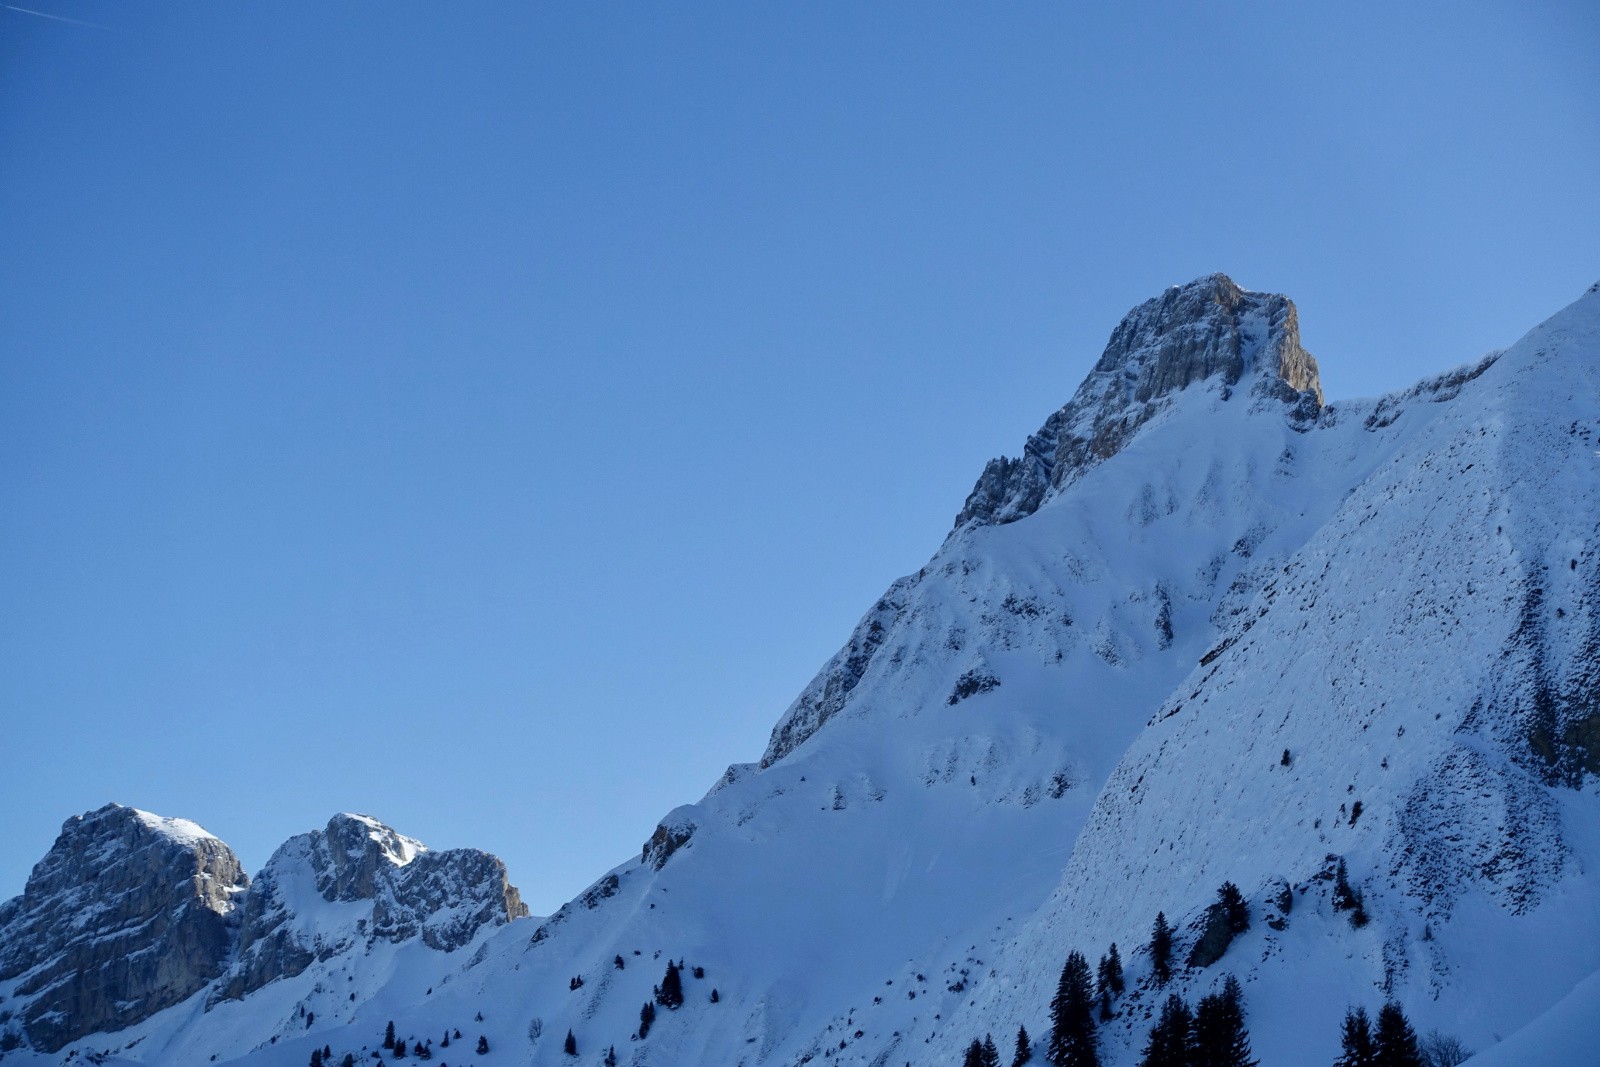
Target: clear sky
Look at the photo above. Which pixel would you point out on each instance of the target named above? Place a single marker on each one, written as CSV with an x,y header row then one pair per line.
x,y
489,416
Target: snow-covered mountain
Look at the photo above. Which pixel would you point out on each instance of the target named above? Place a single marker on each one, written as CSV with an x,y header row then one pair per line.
x,y
1208,628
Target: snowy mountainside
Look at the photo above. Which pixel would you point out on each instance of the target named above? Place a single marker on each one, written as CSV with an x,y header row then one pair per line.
x,y
1076,714
1414,691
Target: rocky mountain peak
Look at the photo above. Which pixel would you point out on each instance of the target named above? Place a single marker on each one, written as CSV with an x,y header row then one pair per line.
x,y
1209,329
125,916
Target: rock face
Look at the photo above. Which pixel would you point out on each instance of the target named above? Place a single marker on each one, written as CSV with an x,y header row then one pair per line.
x,y
127,914
329,891
1209,328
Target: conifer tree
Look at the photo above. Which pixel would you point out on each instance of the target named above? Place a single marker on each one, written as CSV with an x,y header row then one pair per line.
x,y
1394,1039
570,1047
1024,1051
348,1061
647,1015
988,1053
974,1056
1355,1041
611,1056
1114,970
670,993
1161,950
400,1049
388,1035
316,1057
483,1045
1171,1043
1234,907
1220,1038
1072,1036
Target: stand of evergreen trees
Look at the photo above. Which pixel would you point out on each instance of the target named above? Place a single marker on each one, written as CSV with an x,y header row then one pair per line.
x,y
1073,1041
982,1053
1392,1043
1213,1035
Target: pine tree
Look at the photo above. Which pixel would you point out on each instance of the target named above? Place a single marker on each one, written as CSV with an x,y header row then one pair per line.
x,y
974,1056
445,1043
570,1047
1024,1051
1234,907
1161,950
1171,1043
611,1057
617,962
388,1035
1072,1036
349,1060
670,994
483,1045
1220,1038
647,1015
989,1055
400,1049
316,1057
1114,970
715,996
1355,1041
1395,1040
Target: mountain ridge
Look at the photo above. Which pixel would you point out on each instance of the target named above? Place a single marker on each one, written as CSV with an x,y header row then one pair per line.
x,y
1264,639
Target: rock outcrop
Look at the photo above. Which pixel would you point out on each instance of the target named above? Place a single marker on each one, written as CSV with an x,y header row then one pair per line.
x,y
1207,329
127,914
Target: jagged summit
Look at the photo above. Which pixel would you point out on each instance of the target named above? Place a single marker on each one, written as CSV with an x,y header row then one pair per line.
x,y
1207,329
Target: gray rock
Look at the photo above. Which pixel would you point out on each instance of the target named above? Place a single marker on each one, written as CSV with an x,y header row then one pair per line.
x,y
127,914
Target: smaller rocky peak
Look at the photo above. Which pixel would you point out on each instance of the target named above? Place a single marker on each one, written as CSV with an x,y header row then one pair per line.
x,y
375,884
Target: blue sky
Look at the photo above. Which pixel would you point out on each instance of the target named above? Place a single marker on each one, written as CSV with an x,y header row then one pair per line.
x,y
489,416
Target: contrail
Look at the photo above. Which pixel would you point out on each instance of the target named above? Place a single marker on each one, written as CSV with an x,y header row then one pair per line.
x,y
58,18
